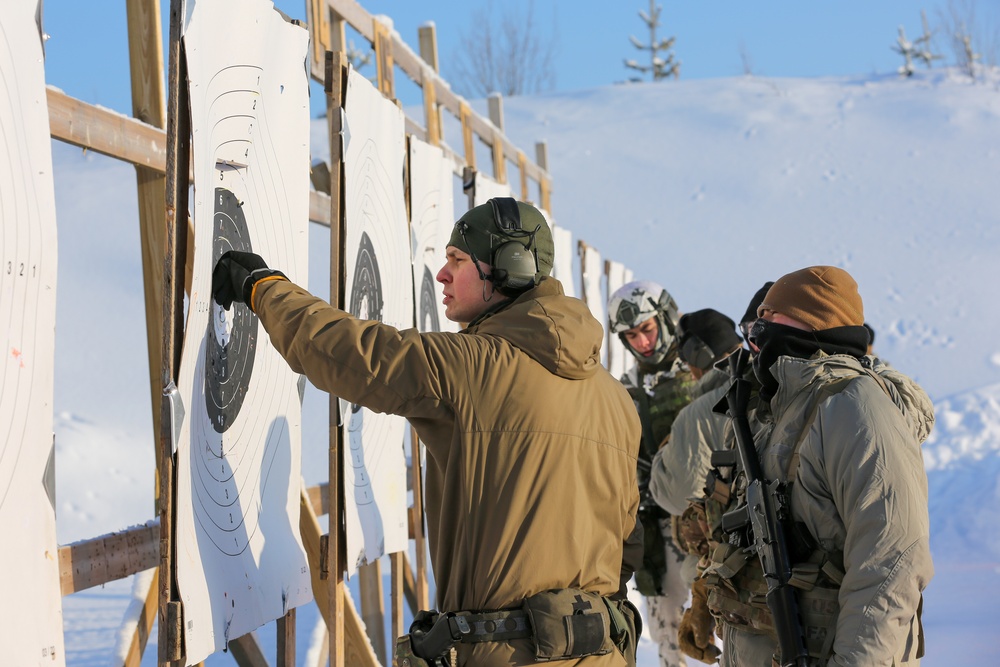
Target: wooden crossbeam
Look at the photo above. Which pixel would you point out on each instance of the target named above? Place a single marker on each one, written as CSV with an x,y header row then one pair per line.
x,y
95,562
143,626
106,132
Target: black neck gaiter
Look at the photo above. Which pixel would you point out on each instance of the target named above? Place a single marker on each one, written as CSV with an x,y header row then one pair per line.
x,y
776,340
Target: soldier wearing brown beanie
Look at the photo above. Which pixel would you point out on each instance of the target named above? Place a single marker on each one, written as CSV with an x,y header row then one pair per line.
x,y
842,431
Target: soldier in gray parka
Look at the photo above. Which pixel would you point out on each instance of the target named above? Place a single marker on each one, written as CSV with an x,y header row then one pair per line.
x,y
843,430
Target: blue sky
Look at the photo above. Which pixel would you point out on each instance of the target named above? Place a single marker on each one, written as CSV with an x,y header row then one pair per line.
x,y
87,55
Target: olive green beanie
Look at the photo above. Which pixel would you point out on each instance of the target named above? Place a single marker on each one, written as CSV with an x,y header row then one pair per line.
x,y
822,297
482,236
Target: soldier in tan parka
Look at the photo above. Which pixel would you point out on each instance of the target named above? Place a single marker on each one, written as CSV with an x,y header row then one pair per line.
x,y
531,444
844,431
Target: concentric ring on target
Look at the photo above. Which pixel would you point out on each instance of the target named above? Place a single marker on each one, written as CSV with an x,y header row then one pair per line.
x,y
232,334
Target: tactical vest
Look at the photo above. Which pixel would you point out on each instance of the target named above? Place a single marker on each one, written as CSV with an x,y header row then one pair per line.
x,y
737,591
658,398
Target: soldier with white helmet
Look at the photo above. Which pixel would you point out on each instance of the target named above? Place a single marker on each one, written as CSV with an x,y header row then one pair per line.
x,y
645,317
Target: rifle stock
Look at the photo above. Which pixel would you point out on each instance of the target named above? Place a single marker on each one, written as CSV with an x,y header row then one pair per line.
x,y
763,508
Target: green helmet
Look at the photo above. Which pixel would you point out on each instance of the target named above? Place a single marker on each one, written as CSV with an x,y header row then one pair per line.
x,y
634,303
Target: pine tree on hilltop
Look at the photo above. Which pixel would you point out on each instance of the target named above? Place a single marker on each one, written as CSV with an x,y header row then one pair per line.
x,y
659,67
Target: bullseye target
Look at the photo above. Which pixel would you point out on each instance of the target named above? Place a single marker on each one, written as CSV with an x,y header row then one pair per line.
x,y
232,335
380,286
432,216
428,319
240,560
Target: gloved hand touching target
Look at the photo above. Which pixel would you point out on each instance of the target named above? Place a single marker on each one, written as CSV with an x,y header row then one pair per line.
x,y
236,273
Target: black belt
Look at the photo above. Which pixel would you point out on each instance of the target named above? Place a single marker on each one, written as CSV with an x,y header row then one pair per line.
x,y
493,626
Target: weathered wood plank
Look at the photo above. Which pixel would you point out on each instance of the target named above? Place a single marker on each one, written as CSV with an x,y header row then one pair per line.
x,y
105,131
355,645
143,627
95,562
246,651
149,106
335,83
373,606
286,640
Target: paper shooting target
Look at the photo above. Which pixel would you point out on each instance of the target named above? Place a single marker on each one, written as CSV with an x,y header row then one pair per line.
x,y
380,287
432,217
31,607
428,303
366,290
240,561
232,335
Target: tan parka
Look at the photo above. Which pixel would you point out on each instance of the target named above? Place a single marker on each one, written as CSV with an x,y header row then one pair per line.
x,y
531,444
860,489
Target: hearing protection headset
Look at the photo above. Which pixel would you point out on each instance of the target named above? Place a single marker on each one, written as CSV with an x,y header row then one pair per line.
x,y
513,260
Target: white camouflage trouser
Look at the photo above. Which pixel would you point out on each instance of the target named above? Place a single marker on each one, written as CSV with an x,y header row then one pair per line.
x,y
664,611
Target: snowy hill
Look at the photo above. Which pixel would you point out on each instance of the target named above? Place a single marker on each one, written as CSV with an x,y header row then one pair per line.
x,y
709,187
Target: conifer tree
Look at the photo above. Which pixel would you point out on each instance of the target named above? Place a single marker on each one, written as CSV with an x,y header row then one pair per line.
x,y
659,67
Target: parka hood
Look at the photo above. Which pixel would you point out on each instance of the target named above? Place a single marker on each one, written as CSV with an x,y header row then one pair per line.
x,y
559,333
912,401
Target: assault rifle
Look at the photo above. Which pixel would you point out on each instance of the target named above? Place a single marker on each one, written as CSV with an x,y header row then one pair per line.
x,y
765,507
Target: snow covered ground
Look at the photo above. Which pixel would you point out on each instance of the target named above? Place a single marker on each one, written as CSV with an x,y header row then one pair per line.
x,y
710,187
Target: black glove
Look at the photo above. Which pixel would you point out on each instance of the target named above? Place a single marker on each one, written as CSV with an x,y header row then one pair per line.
x,y
235,275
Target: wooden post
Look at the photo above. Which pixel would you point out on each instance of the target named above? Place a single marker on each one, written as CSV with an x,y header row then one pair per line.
x,y
319,34
544,185
372,607
432,113
608,334
286,639
464,116
383,59
175,250
499,162
522,167
357,651
495,102
246,651
427,35
419,538
398,563
335,83
148,105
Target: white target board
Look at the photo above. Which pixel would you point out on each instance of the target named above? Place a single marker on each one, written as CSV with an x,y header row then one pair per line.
x,y
485,189
562,262
593,269
432,217
379,286
620,360
30,596
240,560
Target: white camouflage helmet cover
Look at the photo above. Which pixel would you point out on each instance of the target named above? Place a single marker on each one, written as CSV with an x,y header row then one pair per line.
x,y
635,302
